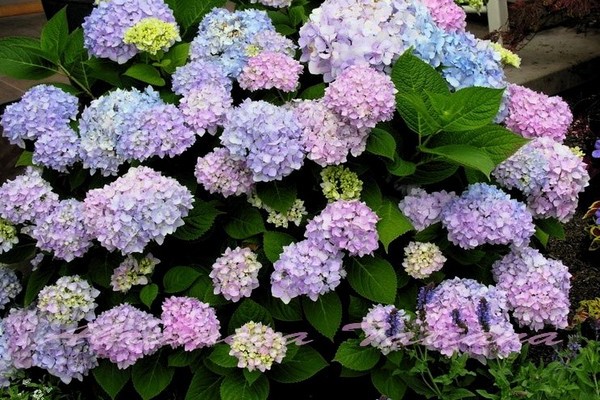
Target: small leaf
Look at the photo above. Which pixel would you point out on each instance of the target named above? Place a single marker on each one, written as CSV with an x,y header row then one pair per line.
x,y
25,159
55,34
220,356
400,167
235,387
204,385
20,58
313,92
388,384
177,55
150,377
464,155
284,312
145,73
104,70
305,364
248,311
552,227
244,223
203,290
36,281
381,143
276,195
182,358
251,376
284,29
199,221
148,294
324,314
392,223
110,377
297,15
354,356
177,279
274,242
373,278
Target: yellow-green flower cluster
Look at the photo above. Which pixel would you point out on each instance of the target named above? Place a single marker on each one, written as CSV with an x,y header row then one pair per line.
x,y
577,151
281,220
506,56
152,35
8,236
339,183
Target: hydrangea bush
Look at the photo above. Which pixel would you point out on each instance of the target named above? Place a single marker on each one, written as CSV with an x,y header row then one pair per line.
x,y
261,197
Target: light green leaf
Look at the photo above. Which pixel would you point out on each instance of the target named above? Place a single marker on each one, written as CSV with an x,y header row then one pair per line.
x,y
552,227
417,114
411,74
110,377
220,356
199,221
392,223
204,385
284,29
20,58
400,167
324,314
305,364
278,196
464,155
381,143
177,279
55,34
145,73
274,242
354,356
313,92
177,55
247,311
373,278
235,387
150,377
245,222
148,294
25,159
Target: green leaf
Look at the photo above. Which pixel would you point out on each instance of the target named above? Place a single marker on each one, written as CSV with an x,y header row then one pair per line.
x,y
145,73
313,92
274,242
392,223
305,364
464,155
150,377
220,356
104,70
381,143
55,34
278,17
110,378
276,195
354,356
36,281
251,376
552,227
542,236
245,222
177,279
373,278
74,50
388,384
400,167
459,393
431,172
284,312
182,358
249,310
177,55
284,29
199,221
25,159
411,74
189,13
297,15
148,294
324,314
371,194
20,58
203,290
204,385
417,114
235,387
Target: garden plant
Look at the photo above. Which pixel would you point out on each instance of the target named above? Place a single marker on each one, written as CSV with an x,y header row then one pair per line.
x,y
257,199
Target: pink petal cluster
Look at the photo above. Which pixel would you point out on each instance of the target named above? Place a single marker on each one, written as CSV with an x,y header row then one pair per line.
x,y
190,323
447,14
270,70
235,273
424,209
218,172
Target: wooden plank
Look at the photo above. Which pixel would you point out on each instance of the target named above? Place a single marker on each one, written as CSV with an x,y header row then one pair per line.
x,y
29,7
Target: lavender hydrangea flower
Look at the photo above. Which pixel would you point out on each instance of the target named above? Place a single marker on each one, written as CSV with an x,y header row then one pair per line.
x,y
346,224
267,137
62,231
105,27
273,3
385,328
447,14
485,214
20,326
235,273
453,321
550,176
537,288
26,198
68,301
57,149
326,138
307,268
198,73
205,107
8,236
424,209
7,370
270,40
268,70
10,286
362,96
42,109
139,207
190,323
533,114
125,334
133,271
257,346
218,172
422,259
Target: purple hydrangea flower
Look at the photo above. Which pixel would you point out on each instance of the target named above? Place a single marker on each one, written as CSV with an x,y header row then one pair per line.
x,y
424,209
8,236
57,149
267,137
10,286
447,14
348,225
139,207
326,138
550,176
257,346
104,28
204,108
422,259
362,96
125,334
307,268
596,152
533,114
451,321
62,231
235,273
190,323
20,326
7,370
537,288
268,70
133,271
385,328
42,109
68,301
26,198
218,172
198,73
485,214
270,40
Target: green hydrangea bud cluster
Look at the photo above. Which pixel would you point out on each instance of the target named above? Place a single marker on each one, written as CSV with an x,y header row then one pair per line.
x,y
506,56
339,183
152,35
8,236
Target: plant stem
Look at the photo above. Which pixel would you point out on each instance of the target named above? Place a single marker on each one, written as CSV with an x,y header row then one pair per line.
x,y
66,73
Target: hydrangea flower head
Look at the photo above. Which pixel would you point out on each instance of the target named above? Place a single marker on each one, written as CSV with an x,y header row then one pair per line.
x,y
139,207
267,137
133,271
422,259
447,14
218,172
8,236
362,96
197,73
273,3
295,214
348,225
307,268
424,209
485,214
68,301
105,28
235,273
385,328
190,323
20,326
506,56
152,35
338,182
7,370
268,70
257,346
57,149
205,107
537,288
125,334
10,286
534,114
42,109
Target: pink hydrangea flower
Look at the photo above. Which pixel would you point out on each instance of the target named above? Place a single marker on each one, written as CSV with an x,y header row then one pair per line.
x,y
268,70
190,323
235,273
